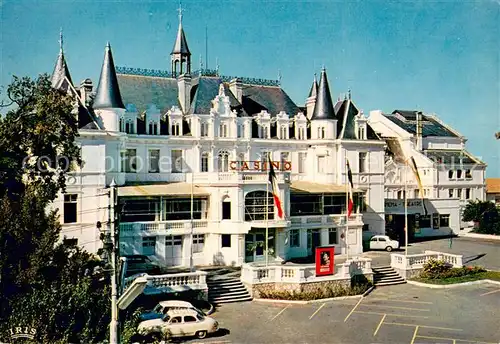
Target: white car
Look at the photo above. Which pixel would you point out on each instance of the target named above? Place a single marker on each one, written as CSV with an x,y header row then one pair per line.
x,y
164,306
383,242
180,323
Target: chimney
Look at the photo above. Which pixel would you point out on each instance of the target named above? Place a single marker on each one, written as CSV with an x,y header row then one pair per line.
x,y
236,87
184,84
85,91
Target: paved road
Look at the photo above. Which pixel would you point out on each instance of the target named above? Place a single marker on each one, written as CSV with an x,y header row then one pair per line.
x,y
475,251
402,314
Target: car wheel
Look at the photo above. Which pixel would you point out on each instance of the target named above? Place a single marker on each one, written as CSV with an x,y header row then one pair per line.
x,y
388,248
201,334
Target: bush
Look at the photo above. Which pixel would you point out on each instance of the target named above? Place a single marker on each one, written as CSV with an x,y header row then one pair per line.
x,y
438,269
315,294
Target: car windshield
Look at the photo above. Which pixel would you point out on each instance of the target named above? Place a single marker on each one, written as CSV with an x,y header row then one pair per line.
x,y
157,309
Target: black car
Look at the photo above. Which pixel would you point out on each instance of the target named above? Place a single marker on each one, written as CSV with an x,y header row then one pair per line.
x,y
139,263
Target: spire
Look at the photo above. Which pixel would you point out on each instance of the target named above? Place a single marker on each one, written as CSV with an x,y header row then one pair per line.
x,y
61,68
108,92
324,105
314,88
180,46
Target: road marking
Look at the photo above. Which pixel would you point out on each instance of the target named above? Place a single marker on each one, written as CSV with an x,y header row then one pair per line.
x,y
425,326
397,307
454,339
277,315
414,335
409,301
380,324
212,342
352,311
491,292
394,315
319,308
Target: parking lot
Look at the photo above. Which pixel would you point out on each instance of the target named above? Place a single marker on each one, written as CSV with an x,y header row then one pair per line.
x,y
395,314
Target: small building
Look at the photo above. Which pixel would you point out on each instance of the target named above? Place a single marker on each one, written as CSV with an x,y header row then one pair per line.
x,y
493,190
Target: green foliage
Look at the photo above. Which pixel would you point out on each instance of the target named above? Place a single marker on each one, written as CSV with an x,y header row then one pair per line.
x,y
38,133
316,293
485,214
46,284
438,269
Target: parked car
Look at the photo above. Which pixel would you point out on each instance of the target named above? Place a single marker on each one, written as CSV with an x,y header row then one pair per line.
x,y
180,323
383,242
139,263
164,306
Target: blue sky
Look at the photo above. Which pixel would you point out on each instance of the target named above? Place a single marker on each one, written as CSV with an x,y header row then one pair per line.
x,y
440,57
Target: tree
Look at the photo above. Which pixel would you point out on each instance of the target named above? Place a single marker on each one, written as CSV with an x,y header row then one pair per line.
x,y
485,216
46,284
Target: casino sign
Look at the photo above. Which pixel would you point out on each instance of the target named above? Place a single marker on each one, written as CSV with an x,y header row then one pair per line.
x,y
259,166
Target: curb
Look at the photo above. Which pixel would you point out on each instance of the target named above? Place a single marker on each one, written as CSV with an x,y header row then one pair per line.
x,y
310,301
455,285
366,293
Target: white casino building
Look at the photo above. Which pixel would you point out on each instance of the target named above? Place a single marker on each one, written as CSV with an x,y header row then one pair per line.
x,y
167,136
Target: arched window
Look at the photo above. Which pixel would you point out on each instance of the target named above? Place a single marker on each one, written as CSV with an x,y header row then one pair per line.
x,y
255,206
204,161
176,129
283,134
121,125
223,161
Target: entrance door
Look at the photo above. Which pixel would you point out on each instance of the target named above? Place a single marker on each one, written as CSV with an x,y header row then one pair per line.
x,y
173,250
255,245
313,240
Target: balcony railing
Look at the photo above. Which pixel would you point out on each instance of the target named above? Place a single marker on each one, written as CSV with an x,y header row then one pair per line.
x,y
161,227
235,177
338,219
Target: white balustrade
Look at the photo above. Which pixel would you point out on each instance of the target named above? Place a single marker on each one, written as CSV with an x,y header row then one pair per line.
x,y
339,219
417,261
157,227
171,282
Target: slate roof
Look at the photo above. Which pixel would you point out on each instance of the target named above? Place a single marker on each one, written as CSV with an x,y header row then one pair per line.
x,y
270,98
180,45
346,111
323,109
314,88
145,90
108,92
448,157
407,120
205,89
60,70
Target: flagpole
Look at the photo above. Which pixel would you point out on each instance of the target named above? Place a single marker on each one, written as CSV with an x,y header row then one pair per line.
x,y
406,208
267,220
346,206
191,262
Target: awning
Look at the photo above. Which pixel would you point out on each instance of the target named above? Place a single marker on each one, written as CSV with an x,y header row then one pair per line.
x,y
166,189
310,187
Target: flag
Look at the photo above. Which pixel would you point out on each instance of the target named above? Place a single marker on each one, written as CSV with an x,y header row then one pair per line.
x,y
275,189
413,166
350,186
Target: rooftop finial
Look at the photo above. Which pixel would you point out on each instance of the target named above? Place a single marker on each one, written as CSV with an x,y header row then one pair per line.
x,y
217,66
349,93
201,65
61,40
279,77
323,69
180,12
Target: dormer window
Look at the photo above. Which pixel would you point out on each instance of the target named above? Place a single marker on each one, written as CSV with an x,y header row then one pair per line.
x,y
302,133
361,133
283,132
176,129
203,129
121,125
129,127
264,132
239,130
223,130
321,133
153,128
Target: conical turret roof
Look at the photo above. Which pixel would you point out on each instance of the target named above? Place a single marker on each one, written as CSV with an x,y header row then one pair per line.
x,y
314,88
324,105
61,68
108,93
180,45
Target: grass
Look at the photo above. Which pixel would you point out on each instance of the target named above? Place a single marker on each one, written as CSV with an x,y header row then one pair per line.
x,y
492,275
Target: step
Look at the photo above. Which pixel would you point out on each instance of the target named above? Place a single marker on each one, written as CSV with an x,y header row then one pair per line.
x,y
235,298
382,270
232,282
245,299
228,294
224,279
382,267
395,279
386,274
381,284
224,290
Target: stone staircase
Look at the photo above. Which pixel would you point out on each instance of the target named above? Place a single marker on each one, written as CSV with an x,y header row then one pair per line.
x,y
226,288
385,275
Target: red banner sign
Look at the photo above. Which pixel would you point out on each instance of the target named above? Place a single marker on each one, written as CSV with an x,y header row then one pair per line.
x,y
324,261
